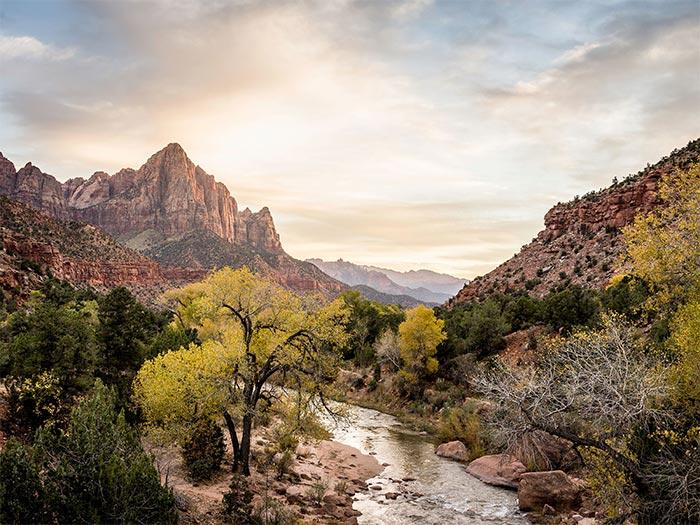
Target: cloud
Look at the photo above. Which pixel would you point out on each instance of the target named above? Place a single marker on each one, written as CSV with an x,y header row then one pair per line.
x,y
28,47
391,133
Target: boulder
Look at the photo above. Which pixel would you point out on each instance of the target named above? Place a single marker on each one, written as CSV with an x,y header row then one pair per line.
x,y
552,487
501,470
453,450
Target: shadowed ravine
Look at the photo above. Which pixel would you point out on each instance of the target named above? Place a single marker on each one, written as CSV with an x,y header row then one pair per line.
x,y
435,490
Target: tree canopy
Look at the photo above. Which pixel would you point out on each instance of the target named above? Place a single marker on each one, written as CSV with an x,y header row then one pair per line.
x,y
261,344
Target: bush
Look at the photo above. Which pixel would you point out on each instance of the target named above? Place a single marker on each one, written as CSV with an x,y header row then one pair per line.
x,y
464,424
284,464
569,308
203,451
316,492
22,495
238,502
34,402
93,472
271,512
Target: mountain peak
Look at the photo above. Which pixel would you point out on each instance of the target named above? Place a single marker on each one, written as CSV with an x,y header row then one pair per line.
x,y
174,147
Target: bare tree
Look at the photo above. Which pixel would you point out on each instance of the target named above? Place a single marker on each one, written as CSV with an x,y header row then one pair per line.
x,y
387,348
591,389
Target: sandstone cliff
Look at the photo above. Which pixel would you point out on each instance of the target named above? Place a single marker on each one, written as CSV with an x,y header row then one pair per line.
x,y
581,242
35,245
171,210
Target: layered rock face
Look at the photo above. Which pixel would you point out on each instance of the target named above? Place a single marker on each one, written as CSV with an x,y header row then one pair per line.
x,y
168,195
581,242
171,210
34,245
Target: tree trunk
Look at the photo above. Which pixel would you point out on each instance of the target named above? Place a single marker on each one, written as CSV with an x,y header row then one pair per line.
x,y
244,465
231,426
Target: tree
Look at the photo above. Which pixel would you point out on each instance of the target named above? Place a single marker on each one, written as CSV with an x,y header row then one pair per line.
x,y
367,320
685,338
664,245
593,389
477,328
258,339
95,471
387,348
419,336
570,308
125,328
52,338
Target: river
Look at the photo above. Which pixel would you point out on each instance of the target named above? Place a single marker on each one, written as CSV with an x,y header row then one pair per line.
x,y
436,491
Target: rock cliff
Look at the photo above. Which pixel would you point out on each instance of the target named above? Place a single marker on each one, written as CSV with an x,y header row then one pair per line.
x,y
171,210
581,241
34,246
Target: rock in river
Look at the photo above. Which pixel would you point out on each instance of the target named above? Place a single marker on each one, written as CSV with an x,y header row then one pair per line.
x,y
501,470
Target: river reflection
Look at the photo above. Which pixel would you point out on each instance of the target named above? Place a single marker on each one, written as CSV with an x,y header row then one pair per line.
x,y
431,490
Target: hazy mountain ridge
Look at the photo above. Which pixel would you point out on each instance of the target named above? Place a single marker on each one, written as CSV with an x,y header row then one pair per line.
x,y
405,301
429,287
581,242
161,208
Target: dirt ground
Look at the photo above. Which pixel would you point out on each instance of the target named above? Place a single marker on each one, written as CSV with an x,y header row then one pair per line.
x,y
339,471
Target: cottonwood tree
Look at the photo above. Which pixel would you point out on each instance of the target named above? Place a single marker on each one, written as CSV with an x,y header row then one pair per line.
x,y
592,389
261,344
419,336
664,246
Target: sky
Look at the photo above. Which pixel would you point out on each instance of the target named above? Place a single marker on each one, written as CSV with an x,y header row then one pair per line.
x,y
406,134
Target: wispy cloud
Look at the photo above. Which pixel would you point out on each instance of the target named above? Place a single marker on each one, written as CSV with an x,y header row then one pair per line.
x,y
391,132
30,48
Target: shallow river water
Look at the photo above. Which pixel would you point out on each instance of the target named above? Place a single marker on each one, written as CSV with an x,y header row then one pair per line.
x,y
441,492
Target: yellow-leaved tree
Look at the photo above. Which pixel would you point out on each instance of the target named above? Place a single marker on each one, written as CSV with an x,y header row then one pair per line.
x,y
664,249
262,344
419,336
664,245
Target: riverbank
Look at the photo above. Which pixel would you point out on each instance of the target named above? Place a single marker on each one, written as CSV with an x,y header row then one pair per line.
x,y
317,487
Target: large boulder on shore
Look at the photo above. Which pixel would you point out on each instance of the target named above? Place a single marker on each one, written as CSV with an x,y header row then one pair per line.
x,y
551,487
501,470
453,450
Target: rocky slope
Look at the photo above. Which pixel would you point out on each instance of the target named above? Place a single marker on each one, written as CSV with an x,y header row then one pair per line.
x,y
429,287
34,246
168,207
581,242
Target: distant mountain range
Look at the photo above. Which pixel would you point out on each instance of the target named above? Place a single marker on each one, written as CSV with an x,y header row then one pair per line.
x,y
424,286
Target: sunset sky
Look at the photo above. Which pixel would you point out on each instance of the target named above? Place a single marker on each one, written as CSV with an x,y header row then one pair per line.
x,y
407,134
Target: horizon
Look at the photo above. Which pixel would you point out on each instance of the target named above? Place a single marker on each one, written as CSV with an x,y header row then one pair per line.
x,y
407,135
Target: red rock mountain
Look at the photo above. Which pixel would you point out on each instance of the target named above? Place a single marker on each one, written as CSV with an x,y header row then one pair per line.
x,y
34,245
581,242
171,210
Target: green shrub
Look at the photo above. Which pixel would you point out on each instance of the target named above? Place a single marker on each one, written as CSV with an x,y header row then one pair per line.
x,y
238,502
93,472
34,402
464,424
203,451
22,495
316,492
271,512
